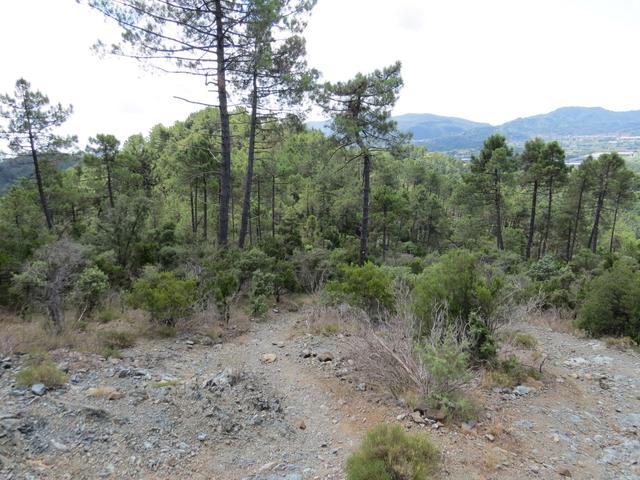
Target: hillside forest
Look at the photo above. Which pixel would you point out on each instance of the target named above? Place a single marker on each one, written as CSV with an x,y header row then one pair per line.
x,y
240,209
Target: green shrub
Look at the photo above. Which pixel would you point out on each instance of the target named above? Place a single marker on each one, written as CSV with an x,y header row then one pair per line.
x,y
525,340
367,287
90,287
511,372
387,452
457,282
313,268
107,315
162,294
40,369
482,346
259,305
611,303
455,406
117,339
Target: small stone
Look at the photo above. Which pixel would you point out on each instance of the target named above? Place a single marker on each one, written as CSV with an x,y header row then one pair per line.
x,y
325,356
190,342
521,390
302,425
305,353
564,472
417,418
269,357
534,468
361,387
202,437
38,389
490,437
58,445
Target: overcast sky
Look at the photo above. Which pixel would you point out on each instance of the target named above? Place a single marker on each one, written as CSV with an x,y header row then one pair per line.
x,y
490,60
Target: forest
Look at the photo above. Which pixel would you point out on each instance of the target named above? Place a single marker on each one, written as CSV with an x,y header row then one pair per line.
x,y
240,209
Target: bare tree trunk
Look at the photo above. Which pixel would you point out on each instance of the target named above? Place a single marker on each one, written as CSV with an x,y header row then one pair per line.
x,y
615,219
36,170
109,185
225,136
205,208
498,204
593,239
273,206
246,202
532,220
258,213
193,214
577,218
364,229
547,221
384,234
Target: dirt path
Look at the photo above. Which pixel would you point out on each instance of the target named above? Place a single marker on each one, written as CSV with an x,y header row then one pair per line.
x,y
184,409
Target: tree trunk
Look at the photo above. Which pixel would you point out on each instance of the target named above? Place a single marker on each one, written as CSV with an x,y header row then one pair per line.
x,y
532,220
593,239
258,213
577,218
193,213
246,201
364,228
273,206
109,186
547,220
36,170
225,136
498,204
615,219
205,208
384,234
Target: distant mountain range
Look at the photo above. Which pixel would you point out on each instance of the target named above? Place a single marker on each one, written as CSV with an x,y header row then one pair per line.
x,y
439,133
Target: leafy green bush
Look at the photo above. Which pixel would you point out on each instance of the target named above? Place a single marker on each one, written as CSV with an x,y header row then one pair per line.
x,y
458,282
117,339
511,372
611,303
367,287
162,294
387,452
482,342
40,369
313,268
90,287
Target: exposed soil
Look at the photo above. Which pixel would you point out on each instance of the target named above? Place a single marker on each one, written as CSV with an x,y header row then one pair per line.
x,y
183,409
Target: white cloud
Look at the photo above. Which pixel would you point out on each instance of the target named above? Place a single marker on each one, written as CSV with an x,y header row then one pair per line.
x,y
490,60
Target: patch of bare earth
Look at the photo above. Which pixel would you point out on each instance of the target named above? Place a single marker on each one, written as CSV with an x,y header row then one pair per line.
x,y
232,411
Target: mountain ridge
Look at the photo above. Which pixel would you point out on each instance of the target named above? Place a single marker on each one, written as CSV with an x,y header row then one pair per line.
x,y
445,133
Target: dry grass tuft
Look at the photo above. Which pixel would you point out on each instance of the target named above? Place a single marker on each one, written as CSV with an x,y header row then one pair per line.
x,y
40,369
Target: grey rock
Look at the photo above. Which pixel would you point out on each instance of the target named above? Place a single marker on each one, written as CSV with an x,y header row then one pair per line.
x,y
38,389
522,390
361,387
202,437
325,356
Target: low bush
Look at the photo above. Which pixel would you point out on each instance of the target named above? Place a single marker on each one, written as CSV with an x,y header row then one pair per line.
x,y
107,315
611,304
511,372
166,297
367,287
458,282
387,452
40,369
117,339
525,340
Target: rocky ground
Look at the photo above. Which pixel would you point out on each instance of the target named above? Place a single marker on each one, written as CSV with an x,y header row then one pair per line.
x,y
279,403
